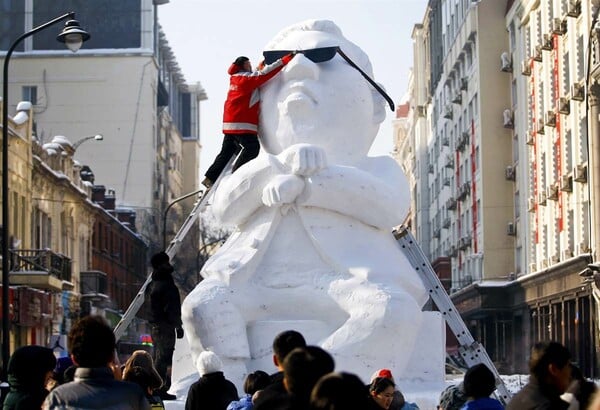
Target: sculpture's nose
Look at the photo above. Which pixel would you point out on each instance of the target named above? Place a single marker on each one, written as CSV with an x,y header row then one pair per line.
x,y
300,68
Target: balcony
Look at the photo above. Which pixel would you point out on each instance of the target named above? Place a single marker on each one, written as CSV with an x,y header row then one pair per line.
x,y
40,268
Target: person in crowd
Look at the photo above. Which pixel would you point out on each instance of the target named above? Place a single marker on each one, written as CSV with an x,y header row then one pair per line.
x,y
283,343
92,347
165,318
580,391
398,403
30,368
452,398
254,382
339,391
62,364
479,383
549,377
240,116
212,391
381,393
148,379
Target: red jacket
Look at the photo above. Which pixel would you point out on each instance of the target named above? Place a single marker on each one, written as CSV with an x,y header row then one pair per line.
x,y
240,114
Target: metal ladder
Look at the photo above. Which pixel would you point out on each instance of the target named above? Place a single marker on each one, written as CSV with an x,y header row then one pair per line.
x,y
199,206
470,350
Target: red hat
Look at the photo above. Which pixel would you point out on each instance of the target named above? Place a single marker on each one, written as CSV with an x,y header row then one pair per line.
x,y
387,373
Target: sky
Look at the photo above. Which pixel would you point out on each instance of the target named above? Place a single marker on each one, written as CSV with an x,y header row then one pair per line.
x,y
207,35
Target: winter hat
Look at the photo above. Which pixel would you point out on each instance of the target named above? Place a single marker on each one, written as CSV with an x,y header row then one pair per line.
x,y
29,365
208,362
141,358
453,397
387,373
240,61
159,259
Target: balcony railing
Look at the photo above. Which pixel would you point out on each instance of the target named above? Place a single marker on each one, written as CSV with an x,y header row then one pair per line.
x,y
41,260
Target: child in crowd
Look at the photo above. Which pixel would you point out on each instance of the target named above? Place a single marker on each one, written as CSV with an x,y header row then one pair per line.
x,y
254,382
479,384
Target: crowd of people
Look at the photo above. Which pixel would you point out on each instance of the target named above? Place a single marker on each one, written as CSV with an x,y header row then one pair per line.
x,y
306,379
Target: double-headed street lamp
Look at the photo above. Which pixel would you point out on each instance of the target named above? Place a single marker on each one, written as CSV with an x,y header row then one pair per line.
x,y
73,36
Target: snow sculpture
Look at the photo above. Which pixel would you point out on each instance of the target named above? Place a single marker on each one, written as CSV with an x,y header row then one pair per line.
x,y
313,249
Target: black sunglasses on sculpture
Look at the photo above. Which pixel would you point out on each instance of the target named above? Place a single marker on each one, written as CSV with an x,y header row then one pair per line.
x,y
322,54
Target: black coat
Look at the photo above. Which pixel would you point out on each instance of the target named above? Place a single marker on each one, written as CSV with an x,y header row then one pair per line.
x,y
211,392
537,396
27,369
163,296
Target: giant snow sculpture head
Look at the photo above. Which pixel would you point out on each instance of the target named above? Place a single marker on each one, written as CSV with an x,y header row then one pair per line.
x,y
326,103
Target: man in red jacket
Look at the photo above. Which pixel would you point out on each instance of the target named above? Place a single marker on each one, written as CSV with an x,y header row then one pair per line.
x,y
240,116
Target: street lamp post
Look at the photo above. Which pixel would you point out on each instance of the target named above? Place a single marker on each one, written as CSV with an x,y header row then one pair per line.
x,y
181,198
76,144
73,36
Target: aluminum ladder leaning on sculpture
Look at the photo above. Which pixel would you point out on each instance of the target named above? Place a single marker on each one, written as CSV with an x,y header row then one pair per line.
x,y
470,350
199,206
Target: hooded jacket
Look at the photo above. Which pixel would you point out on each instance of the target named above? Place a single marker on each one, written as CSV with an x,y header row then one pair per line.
x,y
240,114
163,295
27,370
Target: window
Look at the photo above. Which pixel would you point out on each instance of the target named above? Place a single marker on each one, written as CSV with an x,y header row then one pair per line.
x,y
29,93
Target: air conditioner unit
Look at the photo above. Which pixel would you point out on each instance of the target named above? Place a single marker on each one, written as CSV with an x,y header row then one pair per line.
x,y
574,8
445,141
451,204
583,248
552,192
436,233
559,26
564,105
540,126
506,62
550,119
421,112
446,223
577,92
547,42
525,67
580,173
511,229
531,204
530,138
566,254
430,168
449,162
447,181
448,112
507,118
464,84
510,173
566,183
457,98
537,55
542,198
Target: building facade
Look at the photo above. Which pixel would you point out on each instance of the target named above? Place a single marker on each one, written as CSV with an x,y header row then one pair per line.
x,y
503,170
124,84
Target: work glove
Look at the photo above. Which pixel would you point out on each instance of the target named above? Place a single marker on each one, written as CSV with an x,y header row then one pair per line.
x,y
179,332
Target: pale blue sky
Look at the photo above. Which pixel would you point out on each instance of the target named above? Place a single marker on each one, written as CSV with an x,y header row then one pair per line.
x,y
207,35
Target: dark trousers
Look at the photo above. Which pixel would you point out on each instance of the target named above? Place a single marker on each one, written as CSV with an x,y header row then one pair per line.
x,y
232,143
163,337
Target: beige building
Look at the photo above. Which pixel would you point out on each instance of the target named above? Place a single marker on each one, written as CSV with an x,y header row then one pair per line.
x,y
128,87
504,196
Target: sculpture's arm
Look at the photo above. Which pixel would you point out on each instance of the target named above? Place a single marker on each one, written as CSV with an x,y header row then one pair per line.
x,y
377,195
240,194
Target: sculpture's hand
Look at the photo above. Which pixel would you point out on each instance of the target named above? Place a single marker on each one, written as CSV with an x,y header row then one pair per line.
x,y
303,159
282,189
